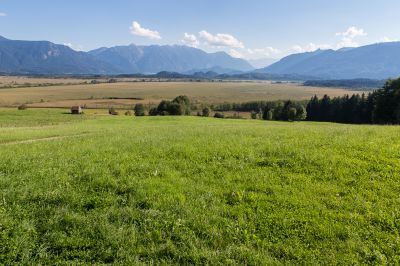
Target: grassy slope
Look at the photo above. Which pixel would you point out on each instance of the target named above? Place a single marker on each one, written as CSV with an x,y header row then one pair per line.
x,y
195,190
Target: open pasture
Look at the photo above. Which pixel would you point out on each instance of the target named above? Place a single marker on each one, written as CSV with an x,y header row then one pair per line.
x,y
129,93
23,81
97,189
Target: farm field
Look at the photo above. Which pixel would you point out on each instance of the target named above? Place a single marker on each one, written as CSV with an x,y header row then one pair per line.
x,y
128,93
97,189
23,81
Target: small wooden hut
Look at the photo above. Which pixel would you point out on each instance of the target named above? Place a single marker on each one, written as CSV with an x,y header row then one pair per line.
x,y
76,110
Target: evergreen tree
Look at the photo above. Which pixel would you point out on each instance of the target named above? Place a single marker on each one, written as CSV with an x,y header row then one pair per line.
x,y
313,109
387,103
382,106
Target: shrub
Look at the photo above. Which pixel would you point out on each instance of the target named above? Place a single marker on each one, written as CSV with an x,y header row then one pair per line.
x,y
234,116
153,111
175,108
128,113
206,112
163,107
182,99
184,103
179,106
139,110
219,115
22,107
254,115
112,111
164,113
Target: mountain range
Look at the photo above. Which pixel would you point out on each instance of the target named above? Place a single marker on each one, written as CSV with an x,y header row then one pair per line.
x,y
377,61
154,58
43,57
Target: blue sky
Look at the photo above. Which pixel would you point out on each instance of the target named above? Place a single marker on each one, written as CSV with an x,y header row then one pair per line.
x,y
249,29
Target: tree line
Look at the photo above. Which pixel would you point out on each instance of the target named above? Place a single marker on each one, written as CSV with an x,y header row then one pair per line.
x,y
268,110
379,107
274,110
179,106
355,84
355,109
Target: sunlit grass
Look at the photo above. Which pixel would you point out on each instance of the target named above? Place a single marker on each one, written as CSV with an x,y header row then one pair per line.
x,y
189,190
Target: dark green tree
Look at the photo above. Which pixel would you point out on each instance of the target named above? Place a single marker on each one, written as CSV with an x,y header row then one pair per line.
x,y
139,110
292,112
387,103
184,102
206,112
301,113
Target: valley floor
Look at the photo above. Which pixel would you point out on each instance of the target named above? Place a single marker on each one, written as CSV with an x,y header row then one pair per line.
x,y
126,94
98,189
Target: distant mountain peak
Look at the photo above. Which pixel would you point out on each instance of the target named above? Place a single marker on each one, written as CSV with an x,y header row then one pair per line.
x,y
375,61
43,57
345,49
166,58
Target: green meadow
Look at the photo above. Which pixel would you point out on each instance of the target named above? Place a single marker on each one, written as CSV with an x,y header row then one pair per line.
x,y
95,190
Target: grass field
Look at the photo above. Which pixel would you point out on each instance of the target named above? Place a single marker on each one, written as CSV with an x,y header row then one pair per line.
x,y
97,95
98,189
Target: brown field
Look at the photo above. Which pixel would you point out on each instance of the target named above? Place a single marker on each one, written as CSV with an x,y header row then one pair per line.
x,y
98,95
18,81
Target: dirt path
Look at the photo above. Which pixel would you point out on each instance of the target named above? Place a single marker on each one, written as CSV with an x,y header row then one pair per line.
x,y
40,139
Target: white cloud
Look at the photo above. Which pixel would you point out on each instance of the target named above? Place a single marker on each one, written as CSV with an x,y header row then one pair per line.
x,y
235,53
190,40
136,29
349,35
347,42
348,39
311,47
78,48
268,51
2,14
352,32
257,53
387,39
220,40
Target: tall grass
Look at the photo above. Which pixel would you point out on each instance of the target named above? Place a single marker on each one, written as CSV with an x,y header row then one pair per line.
x,y
189,190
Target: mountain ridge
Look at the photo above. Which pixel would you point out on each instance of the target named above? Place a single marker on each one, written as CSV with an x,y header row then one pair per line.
x,y
44,57
376,61
175,58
